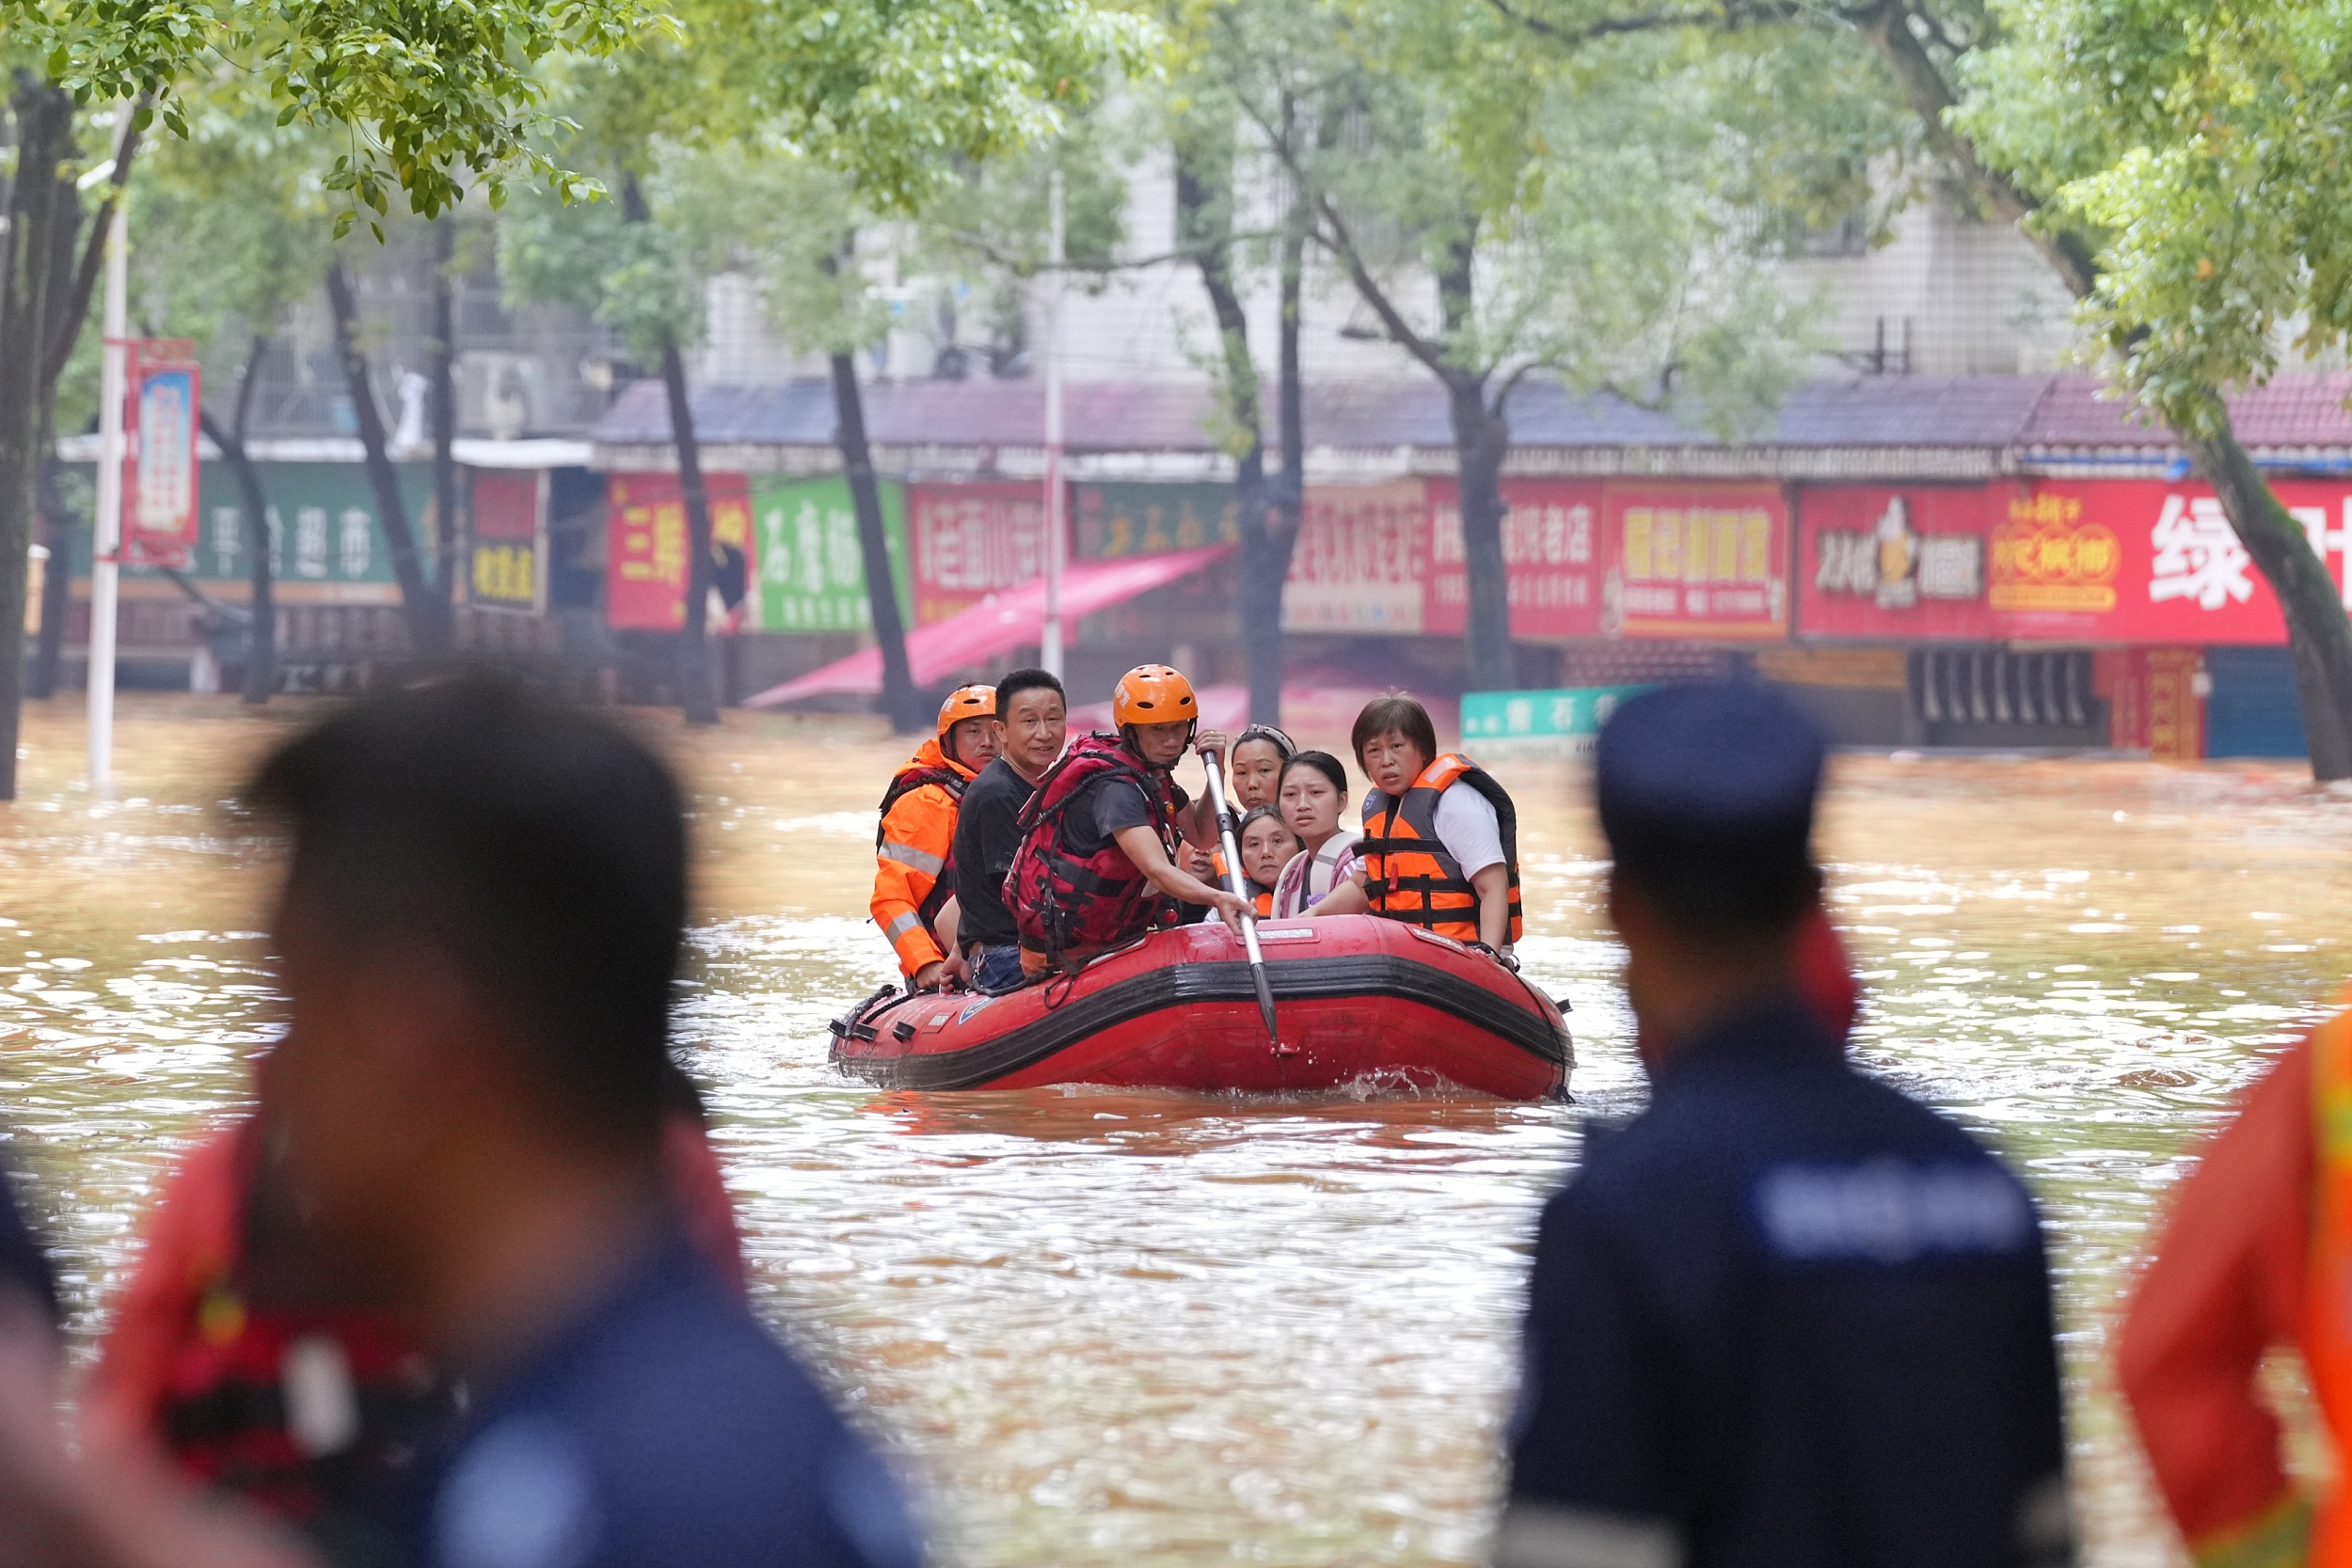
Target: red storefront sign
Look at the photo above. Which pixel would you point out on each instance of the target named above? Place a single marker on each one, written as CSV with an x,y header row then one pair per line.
x,y
2093,561
1697,559
645,579
1550,553
504,520
970,540
1361,563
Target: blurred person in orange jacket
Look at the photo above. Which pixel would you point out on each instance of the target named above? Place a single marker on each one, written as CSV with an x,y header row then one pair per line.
x,y
915,884
2256,1255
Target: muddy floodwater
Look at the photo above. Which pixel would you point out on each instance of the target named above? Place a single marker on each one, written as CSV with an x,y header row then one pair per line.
x,y
1114,1327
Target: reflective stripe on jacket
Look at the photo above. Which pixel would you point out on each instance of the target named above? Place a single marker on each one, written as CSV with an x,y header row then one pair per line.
x,y
914,854
1410,876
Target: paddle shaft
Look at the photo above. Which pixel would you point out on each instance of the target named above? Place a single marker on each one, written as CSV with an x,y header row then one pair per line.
x,y
1234,885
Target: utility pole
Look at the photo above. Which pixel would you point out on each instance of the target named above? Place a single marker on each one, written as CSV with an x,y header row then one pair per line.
x,y
1056,526
106,549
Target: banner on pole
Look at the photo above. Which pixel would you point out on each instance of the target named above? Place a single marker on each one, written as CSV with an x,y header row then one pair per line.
x,y
159,480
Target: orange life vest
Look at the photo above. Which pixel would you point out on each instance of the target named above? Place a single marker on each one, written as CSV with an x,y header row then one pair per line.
x,y
915,853
2328,1323
1410,876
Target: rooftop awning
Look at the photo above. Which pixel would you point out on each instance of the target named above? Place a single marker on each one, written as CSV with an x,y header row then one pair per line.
x,y
1012,619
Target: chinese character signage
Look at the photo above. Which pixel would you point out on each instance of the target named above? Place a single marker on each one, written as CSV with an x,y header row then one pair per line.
x,y
159,480
2107,560
326,544
1550,555
1361,561
507,541
645,546
1913,558
811,570
1110,520
1697,560
970,540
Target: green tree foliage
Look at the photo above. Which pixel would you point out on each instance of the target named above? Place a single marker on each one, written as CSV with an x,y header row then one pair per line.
x,y
1608,215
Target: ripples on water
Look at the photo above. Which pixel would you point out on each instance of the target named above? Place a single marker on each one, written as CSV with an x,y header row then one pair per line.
x,y
1107,1326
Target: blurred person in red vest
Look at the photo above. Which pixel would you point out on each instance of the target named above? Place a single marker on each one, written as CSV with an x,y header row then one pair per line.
x,y
241,1353
2255,1257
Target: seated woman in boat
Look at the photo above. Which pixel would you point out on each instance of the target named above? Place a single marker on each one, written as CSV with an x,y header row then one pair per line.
x,y
1440,846
915,879
1254,779
1097,867
1267,845
1313,796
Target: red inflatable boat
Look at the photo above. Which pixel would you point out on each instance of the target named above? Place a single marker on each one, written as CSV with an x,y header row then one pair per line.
x,y
1359,1002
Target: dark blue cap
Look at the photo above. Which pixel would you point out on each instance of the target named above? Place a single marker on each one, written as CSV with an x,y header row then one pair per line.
x,y
1706,792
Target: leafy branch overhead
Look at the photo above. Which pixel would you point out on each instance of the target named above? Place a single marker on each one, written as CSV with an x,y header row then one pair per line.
x,y
432,98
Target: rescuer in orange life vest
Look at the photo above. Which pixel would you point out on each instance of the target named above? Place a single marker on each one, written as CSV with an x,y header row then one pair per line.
x,y
1440,846
915,882
1097,867
2256,1257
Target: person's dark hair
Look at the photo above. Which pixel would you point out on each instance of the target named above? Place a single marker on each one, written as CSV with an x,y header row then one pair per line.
x,y
1323,763
1263,814
1399,713
1706,793
1284,747
1026,680
539,847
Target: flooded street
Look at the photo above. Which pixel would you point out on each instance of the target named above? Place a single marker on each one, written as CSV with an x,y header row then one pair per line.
x,y
1116,1327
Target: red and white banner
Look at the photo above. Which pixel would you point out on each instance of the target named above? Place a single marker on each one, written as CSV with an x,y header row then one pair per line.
x,y
645,579
1692,558
969,541
159,477
1552,556
1362,560
2141,562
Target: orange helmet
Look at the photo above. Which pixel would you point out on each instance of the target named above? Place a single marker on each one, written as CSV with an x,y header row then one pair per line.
x,y
966,702
1152,694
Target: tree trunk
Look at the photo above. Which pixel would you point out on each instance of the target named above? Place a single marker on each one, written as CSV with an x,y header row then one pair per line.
x,y
697,698
900,701
2318,635
427,629
56,523
57,583
1286,509
261,659
1204,220
444,395
1482,438
44,119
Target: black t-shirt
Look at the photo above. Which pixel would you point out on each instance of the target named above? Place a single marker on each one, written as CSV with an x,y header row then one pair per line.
x,y
988,835
22,1265
1105,809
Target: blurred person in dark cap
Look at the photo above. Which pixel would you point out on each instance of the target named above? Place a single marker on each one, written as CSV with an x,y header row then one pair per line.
x,y
1786,1315
480,928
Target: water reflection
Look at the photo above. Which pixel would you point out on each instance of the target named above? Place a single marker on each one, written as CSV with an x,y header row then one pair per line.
x,y
1112,1325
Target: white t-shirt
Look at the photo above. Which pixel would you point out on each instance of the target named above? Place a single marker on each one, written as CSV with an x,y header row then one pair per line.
x,y
1470,830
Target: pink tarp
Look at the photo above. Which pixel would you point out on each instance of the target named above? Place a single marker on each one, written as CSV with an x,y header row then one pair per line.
x,y
1012,619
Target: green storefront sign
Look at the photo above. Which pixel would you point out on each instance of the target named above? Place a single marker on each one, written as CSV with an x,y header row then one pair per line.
x,y
1111,520
811,570
1560,722
323,528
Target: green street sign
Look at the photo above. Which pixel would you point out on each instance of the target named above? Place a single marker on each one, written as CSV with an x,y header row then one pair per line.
x,y
810,570
1560,722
